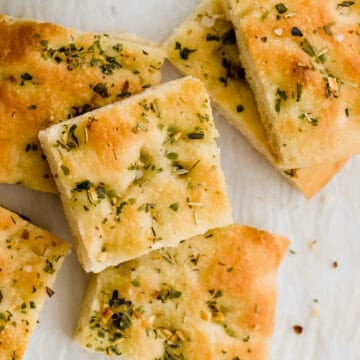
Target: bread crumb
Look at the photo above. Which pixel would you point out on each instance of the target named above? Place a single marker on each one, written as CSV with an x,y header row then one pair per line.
x,y
315,313
298,329
313,244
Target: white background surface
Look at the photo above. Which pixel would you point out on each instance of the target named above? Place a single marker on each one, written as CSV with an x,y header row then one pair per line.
x,y
260,197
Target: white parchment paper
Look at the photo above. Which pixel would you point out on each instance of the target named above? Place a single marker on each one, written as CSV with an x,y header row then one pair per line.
x,y
322,299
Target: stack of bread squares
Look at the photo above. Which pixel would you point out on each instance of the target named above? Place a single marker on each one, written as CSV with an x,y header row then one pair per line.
x,y
137,168
154,181
300,109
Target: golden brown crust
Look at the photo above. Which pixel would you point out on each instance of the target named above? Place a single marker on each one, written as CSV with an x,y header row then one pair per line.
x,y
212,297
131,174
30,258
214,58
50,73
301,59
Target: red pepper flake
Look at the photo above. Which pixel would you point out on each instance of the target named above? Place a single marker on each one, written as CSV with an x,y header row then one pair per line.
x,y
50,292
335,264
25,234
298,329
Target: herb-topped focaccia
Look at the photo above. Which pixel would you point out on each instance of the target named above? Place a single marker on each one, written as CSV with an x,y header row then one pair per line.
x,y
211,298
205,46
30,258
302,62
140,174
49,74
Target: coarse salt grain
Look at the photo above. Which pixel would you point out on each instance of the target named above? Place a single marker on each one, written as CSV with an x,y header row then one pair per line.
x,y
339,37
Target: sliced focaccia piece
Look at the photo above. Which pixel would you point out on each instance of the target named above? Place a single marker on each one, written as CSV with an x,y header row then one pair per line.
x,y
140,174
30,258
212,297
301,60
205,46
50,73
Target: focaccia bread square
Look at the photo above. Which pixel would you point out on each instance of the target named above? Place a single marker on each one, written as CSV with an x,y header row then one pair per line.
x,y
30,258
205,46
211,298
302,62
50,73
140,174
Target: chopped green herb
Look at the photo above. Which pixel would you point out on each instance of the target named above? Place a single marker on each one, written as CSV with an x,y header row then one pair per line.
x,y
102,90
135,283
72,134
277,105
174,207
123,311
44,43
31,147
281,8
264,39
295,31
194,259
307,47
184,52
240,108
32,107
26,76
195,136
32,305
146,207
100,191
203,117
265,14
327,29
216,294
65,169
172,156
122,320
120,207
282,94
346,4
49,267
229,332
298,91
291,172
118,47
168,294
82,185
